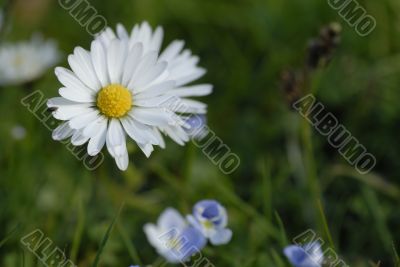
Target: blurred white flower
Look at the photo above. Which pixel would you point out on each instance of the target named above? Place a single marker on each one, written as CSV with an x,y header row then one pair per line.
x,y
26,61
124,86
173,238
18,132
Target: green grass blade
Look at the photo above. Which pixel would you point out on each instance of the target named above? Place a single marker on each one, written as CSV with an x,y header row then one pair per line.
x,y
9,235
79,230
105,238
283,237
325,224
395,256
129,245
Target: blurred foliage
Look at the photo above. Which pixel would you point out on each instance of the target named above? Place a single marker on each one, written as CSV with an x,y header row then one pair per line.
x,y
244,45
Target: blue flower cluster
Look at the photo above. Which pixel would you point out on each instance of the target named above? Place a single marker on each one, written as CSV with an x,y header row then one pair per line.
x,y
177,239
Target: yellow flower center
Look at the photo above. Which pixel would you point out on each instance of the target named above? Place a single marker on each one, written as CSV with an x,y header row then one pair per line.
x,y
208,224
114,101
173,243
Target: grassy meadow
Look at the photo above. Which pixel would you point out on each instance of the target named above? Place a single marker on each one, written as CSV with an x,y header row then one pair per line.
x,y
290,179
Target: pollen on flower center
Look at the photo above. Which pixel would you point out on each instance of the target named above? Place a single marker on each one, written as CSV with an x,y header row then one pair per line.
x,y
208,224
114,101
173,243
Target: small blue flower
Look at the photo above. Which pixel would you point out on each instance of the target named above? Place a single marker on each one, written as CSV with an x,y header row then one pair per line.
x,y
173,238
308,255
211,219
197,126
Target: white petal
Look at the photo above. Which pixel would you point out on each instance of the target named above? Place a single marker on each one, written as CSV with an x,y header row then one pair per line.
x,y
151,75
159,137
176,134
76,95
134,35
190,106
116,138
199,72
148,61
184,64
81,121
221,237
145,34
171,219
123,161
99,60
121,31
146,148
61,101
159,101
172,50
139,132
68,112
196,90
106,37
183,57
157,39
71,81
78,138
116,144
180,133
62,132
94,127
155,116
97,142
132,62
153,235
155,90
81,64
116,56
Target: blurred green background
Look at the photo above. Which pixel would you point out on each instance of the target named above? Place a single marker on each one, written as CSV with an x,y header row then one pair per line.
x,y
272,196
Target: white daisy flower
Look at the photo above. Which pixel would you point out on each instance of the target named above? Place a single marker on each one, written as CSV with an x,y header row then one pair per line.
x,y
125,86
26,61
